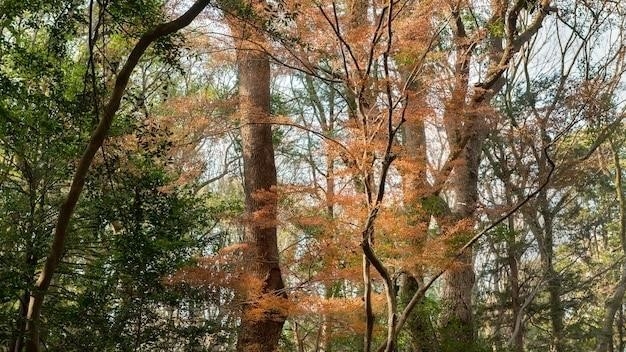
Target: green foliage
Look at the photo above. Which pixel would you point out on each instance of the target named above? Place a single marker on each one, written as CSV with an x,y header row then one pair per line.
x,y
130,231
435,206
41,119
496,29
449,342
118,287
421,330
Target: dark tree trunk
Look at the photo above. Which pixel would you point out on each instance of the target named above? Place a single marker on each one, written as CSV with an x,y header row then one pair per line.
x,y
420,328
57,248
258,334
457,322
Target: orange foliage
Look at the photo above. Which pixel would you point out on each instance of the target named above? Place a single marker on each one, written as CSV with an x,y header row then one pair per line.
x,y
326,223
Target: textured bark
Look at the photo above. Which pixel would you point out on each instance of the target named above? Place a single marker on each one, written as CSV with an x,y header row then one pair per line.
x,y
420,332
419,327
620,329
553,279
258,334
457,328
78,181
457,322
517,337
556,310
465,128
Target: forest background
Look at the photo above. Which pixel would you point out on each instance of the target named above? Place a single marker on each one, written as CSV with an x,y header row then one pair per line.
x,y
433,175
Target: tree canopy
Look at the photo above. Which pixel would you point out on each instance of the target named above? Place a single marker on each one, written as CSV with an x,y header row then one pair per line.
x,y
256,175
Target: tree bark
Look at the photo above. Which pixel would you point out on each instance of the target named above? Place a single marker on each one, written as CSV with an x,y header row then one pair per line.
x,y
516,301
420,330
258,334
457,322
544,235
466,130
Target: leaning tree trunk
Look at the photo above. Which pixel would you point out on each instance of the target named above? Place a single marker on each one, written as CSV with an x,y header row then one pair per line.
x,y
57,248
258,333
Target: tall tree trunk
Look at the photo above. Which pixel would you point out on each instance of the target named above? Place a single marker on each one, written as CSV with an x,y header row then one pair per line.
x,y
553,278
544,235
620,329
356,15
420,330
457,328
326,117
513,280
613,304
556,309
457,322
466,130
258,334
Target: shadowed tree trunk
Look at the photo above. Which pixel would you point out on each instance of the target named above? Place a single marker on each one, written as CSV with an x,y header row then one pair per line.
x,y
540,220
464,137
457,322
57,248
420,329
258,334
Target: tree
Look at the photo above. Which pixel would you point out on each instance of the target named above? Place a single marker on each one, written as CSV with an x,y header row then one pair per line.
x,y
299,175
257,333
69,204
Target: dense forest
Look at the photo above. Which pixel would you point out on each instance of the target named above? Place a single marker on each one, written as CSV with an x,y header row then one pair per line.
x,y
282,175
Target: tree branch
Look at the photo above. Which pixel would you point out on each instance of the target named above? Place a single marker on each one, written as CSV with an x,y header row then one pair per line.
x,y
95,142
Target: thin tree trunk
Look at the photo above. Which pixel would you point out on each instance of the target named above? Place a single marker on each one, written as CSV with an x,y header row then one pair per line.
x,y
31,262
298,338
620,329
357,17
605,336
67,209
18,340
516,304
544,235
517,334
369,314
